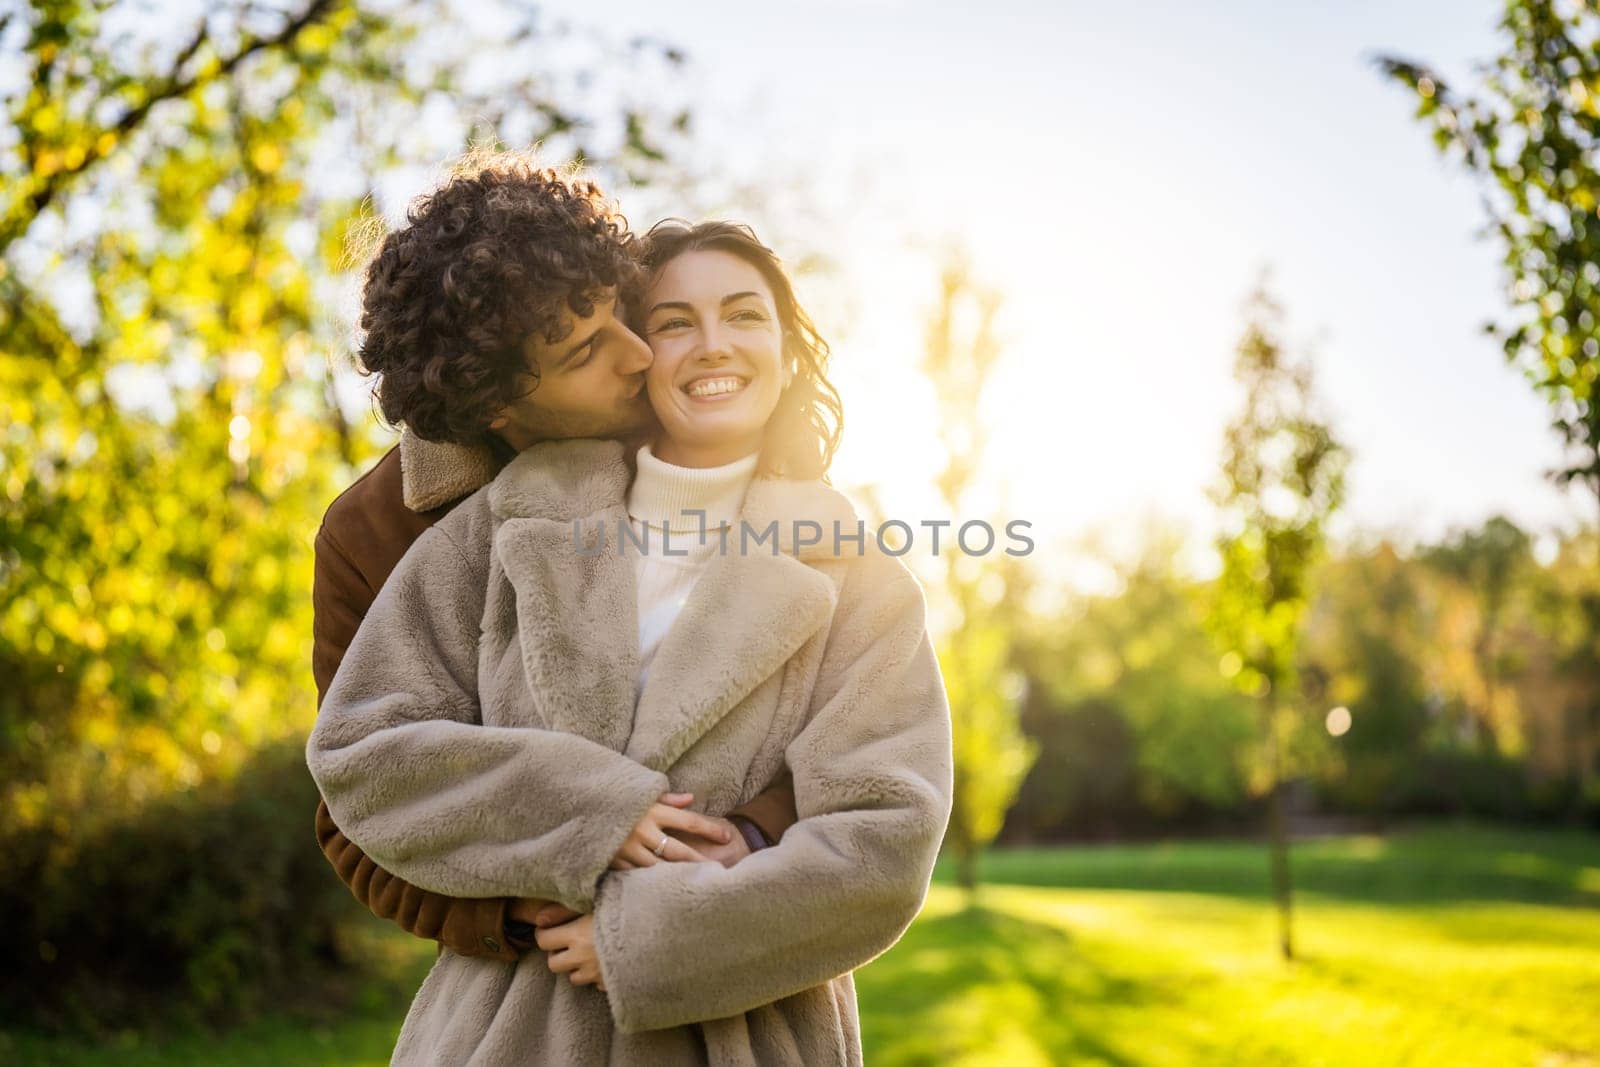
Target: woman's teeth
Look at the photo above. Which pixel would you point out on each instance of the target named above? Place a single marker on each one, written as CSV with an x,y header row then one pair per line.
x,y
714,386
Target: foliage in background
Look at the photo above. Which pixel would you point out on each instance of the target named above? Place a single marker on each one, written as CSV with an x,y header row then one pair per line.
x,y
1568,621
975,654
1139,733
175,201
1530,134
1136,727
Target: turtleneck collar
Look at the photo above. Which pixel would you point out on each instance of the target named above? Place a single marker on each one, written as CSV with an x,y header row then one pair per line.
x,y
662,491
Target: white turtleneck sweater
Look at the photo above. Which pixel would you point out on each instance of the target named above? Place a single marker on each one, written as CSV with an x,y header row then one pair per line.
x,y
660,493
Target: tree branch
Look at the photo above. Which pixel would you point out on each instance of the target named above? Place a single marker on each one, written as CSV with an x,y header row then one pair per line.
x,y
170,87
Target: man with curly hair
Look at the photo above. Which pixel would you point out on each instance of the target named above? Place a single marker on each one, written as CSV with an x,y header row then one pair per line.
x,y
491,319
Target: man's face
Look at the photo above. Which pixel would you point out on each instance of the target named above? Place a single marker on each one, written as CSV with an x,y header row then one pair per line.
x,y
590,383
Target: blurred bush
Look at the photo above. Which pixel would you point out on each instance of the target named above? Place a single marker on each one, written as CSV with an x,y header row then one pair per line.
x,y
208,903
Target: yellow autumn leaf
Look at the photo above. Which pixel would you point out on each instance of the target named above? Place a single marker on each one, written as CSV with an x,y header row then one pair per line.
x,y
266,157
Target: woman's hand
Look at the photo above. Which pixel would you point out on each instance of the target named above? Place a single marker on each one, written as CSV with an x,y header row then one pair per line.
x,y
569,950
644,846
726,853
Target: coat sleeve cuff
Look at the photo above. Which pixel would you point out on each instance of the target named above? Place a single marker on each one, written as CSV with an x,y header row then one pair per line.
x,y
476,927
772,811
608,936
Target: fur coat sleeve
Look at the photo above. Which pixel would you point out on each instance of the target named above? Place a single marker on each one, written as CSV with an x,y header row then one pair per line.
x,y
683,942
415,779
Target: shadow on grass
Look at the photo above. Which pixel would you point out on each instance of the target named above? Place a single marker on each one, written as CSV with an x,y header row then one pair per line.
x,y
983,981
1450,864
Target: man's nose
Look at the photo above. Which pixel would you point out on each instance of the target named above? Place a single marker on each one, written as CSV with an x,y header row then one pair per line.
x,y
636,354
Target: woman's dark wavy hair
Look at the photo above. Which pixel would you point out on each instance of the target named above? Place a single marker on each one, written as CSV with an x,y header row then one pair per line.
x,y
804,431
498,253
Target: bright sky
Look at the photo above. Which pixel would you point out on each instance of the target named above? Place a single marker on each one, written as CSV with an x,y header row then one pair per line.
x,y
1123,172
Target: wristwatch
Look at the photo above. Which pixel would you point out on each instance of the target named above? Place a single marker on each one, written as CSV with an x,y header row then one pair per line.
x,y
754,836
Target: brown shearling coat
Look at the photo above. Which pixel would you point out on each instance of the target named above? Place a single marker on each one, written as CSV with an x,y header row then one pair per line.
x,y
483,737
363,535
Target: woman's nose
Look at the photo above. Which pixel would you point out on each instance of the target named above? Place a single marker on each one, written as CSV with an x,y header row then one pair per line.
x,y
714,345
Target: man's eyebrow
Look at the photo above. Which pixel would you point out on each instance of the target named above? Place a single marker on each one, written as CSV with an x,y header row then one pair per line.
x,y
682,306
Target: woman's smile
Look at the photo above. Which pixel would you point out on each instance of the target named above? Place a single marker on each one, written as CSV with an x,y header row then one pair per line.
x,y
715,388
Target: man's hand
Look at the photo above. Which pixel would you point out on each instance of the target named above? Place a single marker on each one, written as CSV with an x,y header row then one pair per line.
x,y
522,916
652,840
726,853
569,950
547,913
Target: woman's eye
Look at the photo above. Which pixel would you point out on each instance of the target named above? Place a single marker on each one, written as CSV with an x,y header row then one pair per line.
x,y
670,324
748,316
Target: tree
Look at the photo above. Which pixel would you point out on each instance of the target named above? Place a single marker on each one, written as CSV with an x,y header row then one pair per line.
x,y
173,225
991,754
1530,135
1282,479
176,199
1488,561
1568,715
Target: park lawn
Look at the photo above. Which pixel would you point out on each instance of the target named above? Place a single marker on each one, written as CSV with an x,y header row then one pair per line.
x,y
1439,946
1456,945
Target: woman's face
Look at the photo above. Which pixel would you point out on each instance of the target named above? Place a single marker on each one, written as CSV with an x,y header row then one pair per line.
x,y
712,325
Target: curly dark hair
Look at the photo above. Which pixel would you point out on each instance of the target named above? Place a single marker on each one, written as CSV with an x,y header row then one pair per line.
x,y
496,254
804,431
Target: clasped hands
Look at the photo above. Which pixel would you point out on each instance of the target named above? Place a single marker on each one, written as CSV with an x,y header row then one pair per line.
x,y
567,937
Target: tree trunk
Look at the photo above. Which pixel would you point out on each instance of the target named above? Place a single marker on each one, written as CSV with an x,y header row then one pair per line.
x,y
967,870
1589,722
1278,834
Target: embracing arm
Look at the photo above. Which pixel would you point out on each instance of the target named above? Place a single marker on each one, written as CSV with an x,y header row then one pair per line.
x,y
468,926
340,598
872,780
430,794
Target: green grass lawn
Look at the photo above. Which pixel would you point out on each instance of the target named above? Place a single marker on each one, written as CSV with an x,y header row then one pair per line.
x,y
1436,946
1443,946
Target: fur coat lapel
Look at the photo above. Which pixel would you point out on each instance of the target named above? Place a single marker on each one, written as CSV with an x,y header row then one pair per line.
x,y
577,614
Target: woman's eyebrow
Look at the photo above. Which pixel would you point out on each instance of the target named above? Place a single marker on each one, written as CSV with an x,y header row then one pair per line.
x,y
681,305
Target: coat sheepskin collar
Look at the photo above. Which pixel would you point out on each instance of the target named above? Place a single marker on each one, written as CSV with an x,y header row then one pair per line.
x,y
569,480
433,473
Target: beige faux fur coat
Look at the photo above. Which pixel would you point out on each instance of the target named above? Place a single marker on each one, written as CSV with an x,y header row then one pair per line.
x,y
483,738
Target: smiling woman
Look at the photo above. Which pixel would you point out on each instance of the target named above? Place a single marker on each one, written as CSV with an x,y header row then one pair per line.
x,y
737,360
719,368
